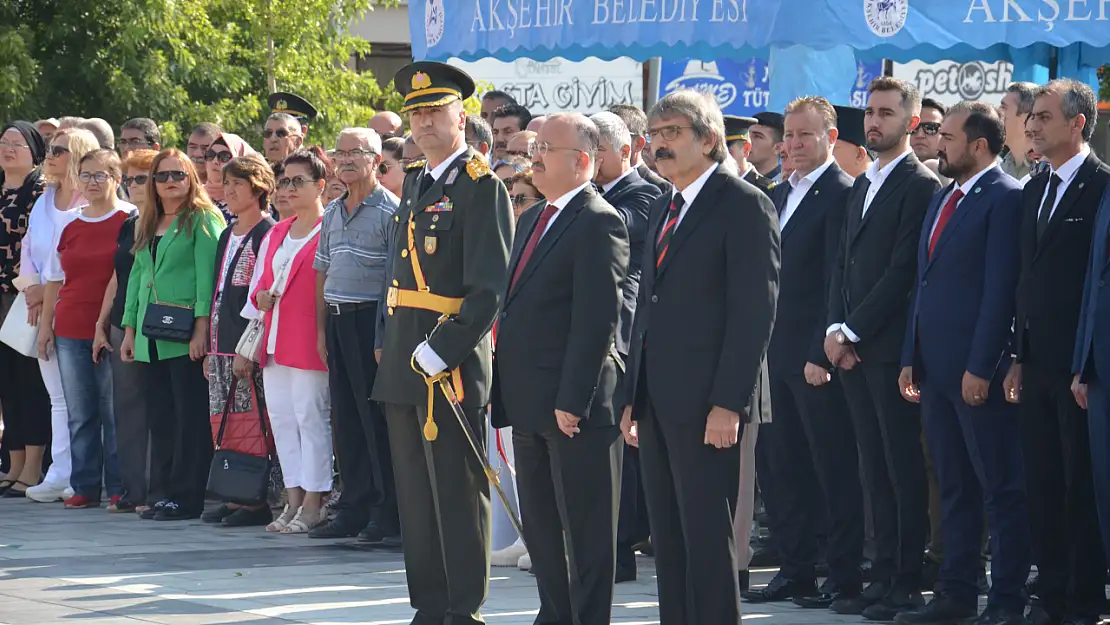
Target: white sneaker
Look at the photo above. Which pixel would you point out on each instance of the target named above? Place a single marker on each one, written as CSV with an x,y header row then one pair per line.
x,y
509,556
525,563
48,493
68,492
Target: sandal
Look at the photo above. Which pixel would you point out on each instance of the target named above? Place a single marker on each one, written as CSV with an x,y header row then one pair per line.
x,y
301,524
279,523
6,485
14,493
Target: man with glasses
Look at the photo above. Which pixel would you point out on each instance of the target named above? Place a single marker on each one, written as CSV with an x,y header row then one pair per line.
x,y
521,144
350,264
139,133
621,186
636,121
295,106
200,139
925,138
281,136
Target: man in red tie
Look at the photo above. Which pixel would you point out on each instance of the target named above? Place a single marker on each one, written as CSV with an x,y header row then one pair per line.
x,y
955,357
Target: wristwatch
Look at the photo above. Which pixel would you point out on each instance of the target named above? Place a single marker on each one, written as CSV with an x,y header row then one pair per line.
x,y
841,338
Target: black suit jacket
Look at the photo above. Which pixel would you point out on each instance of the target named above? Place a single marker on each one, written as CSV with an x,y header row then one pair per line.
x,y
1050,289
876,263
762,182
557,323
631,196
707,311
647,174
809,248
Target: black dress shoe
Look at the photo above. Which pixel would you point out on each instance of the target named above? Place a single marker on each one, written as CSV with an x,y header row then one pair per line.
x,y
745,580
894,603
871,595
217,515
175,512
339,527
149,513
998,616
942,610
624,573
827,596
372,534
392,542
247,517
781,589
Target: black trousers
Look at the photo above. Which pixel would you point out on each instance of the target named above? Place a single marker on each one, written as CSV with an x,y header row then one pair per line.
x,y
361,433
23,397
691,491
443,499
888,435
176,398
1062,512
632,518
569,496
132,433
812,458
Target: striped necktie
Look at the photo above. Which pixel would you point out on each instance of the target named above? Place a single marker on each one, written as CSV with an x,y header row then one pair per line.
x,y
664,241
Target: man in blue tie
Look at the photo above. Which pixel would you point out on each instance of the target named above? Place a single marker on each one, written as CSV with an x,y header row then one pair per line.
x,y
954,360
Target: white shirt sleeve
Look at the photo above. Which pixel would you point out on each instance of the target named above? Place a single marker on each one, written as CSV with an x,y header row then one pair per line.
x,y
428,359
249,310
53,272
843,328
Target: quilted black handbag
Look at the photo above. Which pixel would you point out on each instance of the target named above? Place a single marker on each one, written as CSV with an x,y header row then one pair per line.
x,y
166,322
234,476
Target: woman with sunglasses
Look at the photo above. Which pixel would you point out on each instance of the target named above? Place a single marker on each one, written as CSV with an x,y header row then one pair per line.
x,y
390,172
76,278
226,147
523,192
248,183
175,258
53,211
23,399
506,168
132,436
294,372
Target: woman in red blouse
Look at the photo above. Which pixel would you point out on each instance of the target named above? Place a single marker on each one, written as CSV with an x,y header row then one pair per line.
x,y
76,279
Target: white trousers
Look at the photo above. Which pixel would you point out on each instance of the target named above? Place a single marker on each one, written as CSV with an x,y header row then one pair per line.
x,y
503,534
61,460
745,501
299,404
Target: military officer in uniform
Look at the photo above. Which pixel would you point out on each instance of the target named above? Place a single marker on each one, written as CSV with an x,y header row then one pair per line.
x,y
452,237
739,146
295,105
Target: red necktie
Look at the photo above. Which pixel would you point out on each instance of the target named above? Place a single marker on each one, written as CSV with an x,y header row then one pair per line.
x,y
664,241
945,215
541,225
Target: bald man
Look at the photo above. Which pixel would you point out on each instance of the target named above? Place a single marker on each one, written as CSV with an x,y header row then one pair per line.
x,y
387,124
521,144
536,123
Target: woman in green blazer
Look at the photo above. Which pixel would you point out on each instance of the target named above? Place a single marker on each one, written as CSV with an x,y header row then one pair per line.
x,y
175,256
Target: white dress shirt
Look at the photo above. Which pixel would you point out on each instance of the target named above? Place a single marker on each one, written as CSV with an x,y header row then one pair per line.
x,y
690,193
612,183
877,177
560,203
1066,173
442,167
966,187
799,187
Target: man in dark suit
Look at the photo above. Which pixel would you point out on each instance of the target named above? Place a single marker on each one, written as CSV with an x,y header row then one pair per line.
x,y
703,319
868,303
636,121
812,451
623,188
452,235
954,360
740,146
1059,209
556,371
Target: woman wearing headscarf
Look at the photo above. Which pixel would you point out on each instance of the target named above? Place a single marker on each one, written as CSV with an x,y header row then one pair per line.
x,y
23,398
226,147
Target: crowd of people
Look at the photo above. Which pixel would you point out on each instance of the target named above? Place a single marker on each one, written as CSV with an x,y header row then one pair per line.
x,y
874,332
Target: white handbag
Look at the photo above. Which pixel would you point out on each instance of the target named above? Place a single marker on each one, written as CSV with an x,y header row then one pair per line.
x,y
16,332
250,344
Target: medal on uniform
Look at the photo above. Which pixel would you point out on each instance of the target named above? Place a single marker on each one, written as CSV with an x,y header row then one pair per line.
x,y
430,245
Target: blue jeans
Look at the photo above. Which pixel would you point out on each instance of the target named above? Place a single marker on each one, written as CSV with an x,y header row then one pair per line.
x,y
92,421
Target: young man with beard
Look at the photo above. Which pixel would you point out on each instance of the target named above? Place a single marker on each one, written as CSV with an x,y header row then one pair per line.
x,y
954,359
868,304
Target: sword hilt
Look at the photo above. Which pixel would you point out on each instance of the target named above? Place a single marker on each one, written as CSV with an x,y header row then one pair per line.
x,y
431,430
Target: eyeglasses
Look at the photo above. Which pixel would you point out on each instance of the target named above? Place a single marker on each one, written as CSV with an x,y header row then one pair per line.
x,y
516,152
223,157
927,128
543,147
280,133
355,153
7,145
134,143
668,133
297,182
57,150
384,167
140,179
524,200
100,177
166,176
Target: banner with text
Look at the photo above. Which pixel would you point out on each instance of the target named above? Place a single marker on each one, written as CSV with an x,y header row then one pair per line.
x,y
559,85
949,82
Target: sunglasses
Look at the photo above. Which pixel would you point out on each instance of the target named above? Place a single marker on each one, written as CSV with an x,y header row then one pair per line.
x,y
383,168
140,179
523,200
166,176
297,182
99,177
212,155
280,133
57,150
928,128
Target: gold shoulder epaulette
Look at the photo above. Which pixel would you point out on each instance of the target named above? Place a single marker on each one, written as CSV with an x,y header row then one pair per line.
x,y
771,185
413,166
477,167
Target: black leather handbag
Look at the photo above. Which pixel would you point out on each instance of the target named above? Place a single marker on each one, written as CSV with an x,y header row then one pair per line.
x,y
166,322
234,476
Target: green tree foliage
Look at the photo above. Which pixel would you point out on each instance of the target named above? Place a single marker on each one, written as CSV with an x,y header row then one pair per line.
x,y
182,62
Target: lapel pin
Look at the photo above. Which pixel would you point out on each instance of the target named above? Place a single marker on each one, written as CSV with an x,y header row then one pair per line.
x,y
817,191
1081,184
978,189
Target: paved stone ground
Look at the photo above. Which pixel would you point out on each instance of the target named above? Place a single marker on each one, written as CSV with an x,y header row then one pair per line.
x,y
92,567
